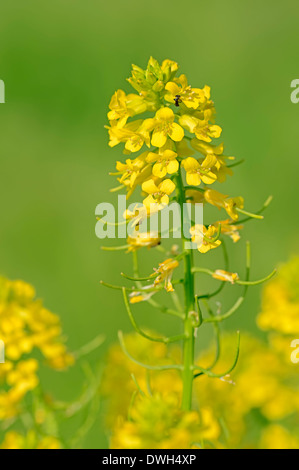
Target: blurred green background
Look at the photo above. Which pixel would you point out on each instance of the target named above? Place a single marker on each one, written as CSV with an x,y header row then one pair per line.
x,y
61,61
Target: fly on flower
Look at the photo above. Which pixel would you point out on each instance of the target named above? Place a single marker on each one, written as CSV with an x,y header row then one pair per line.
x,y
177,100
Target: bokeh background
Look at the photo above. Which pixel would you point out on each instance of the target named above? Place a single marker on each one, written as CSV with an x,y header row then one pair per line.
x,y
61,61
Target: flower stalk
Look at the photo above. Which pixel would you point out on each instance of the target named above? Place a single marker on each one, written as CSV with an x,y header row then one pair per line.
x,y
180,164
188,346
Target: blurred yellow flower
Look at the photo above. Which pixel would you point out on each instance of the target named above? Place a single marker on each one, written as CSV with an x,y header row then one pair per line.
x,y
278,437
280,301
25,325
117,384
264,395
156,422
15,440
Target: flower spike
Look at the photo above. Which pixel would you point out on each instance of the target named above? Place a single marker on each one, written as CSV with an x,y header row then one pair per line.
x,y
172,130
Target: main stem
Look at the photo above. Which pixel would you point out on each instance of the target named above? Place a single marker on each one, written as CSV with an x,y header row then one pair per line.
x,y
188,351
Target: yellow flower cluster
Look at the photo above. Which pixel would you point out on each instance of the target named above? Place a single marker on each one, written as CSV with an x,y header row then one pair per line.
x,y
183,123
119,368
280,301
261,408
152,420
14,440
25,325
156,422
257,408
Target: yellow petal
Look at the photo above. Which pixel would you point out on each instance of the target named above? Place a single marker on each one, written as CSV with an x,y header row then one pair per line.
x,y
134,144
214,197
188,122
216,244
225,276
165,199
193,179
148,202
121,166
190,103
136,298
194,196
167,186
158,138
190,164
172,167
169,154
173,88
198,229
204,248
209,161
159,170
183,80
215,131
176,132
209,178
211,231
207,91
149,187
165,114
152,157
202,136
170,65
147,125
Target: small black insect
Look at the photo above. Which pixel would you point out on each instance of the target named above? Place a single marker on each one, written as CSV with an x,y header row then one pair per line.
x,y
177,100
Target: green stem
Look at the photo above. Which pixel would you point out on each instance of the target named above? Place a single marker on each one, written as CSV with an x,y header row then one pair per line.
x,y
188,349
250,214
266,204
